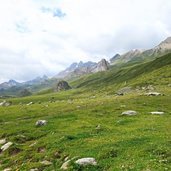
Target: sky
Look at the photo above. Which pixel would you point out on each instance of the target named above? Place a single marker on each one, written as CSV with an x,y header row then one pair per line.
x,y
40,37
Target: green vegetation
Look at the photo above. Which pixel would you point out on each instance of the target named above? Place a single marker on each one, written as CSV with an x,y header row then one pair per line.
x,y
87,122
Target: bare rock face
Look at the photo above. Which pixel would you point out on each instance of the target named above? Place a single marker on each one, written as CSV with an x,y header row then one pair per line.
x,y
103,65
62,85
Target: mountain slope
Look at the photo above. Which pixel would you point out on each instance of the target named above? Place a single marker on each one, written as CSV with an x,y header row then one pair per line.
x,y
145,55
117,76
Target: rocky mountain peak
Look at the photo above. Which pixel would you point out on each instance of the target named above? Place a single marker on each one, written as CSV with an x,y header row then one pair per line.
x,y
103,65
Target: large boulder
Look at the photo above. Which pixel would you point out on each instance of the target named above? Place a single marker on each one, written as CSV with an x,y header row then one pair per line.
x,y
62,85
86,161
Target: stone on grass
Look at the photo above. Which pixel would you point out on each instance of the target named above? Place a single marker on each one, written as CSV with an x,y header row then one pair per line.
x,y
35,169
41,122
157,113
6,146
46,162
2,141
65,165
7,169
86,161
29,103
153,94
129,113
5,103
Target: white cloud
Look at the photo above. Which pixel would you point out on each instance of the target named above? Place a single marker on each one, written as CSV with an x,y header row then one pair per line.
x,y
44,36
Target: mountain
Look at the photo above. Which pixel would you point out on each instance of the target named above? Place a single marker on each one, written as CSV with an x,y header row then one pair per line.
x,y
145,55
79,69
37,80
114,58
103,65
9,84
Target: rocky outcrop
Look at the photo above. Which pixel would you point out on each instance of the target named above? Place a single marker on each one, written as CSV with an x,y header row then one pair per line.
x,y
62,85
103,65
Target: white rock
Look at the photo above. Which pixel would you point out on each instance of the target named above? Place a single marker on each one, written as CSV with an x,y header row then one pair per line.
x,y
41,122
7,169
157,113
86,161
65,165
6,146
153,94
29,103
129,112
45,162
3,141
36,169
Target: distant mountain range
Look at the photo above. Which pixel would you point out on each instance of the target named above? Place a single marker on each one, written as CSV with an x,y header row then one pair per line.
x,y
78,69
143,55
75,70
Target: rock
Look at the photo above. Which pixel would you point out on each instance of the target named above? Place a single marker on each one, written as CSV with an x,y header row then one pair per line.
x,y
157,113
153,94
35,169
6,146
5,103
3,141
7,169
86,161
62,85
29,103
45,162
41,122
124,91
103,65
129,113
65,165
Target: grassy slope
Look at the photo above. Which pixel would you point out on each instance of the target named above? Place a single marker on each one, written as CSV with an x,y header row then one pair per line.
x,y
140,142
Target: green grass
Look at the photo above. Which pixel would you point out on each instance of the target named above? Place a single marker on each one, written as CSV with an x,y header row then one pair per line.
x,y
128,143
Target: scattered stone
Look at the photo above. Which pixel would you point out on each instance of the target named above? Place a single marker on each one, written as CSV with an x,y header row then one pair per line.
x,y
29,103
33,144
86,161
36,169
7,169
5,103
3,141
124,91
157,113
153,94
45,162
129,113
57,154
65,165
6,146
41,122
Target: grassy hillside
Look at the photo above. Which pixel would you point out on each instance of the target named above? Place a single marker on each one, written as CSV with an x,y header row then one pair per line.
x,y
87,122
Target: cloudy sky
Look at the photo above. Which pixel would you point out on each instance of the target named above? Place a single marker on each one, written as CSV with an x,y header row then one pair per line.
x,y
44,36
